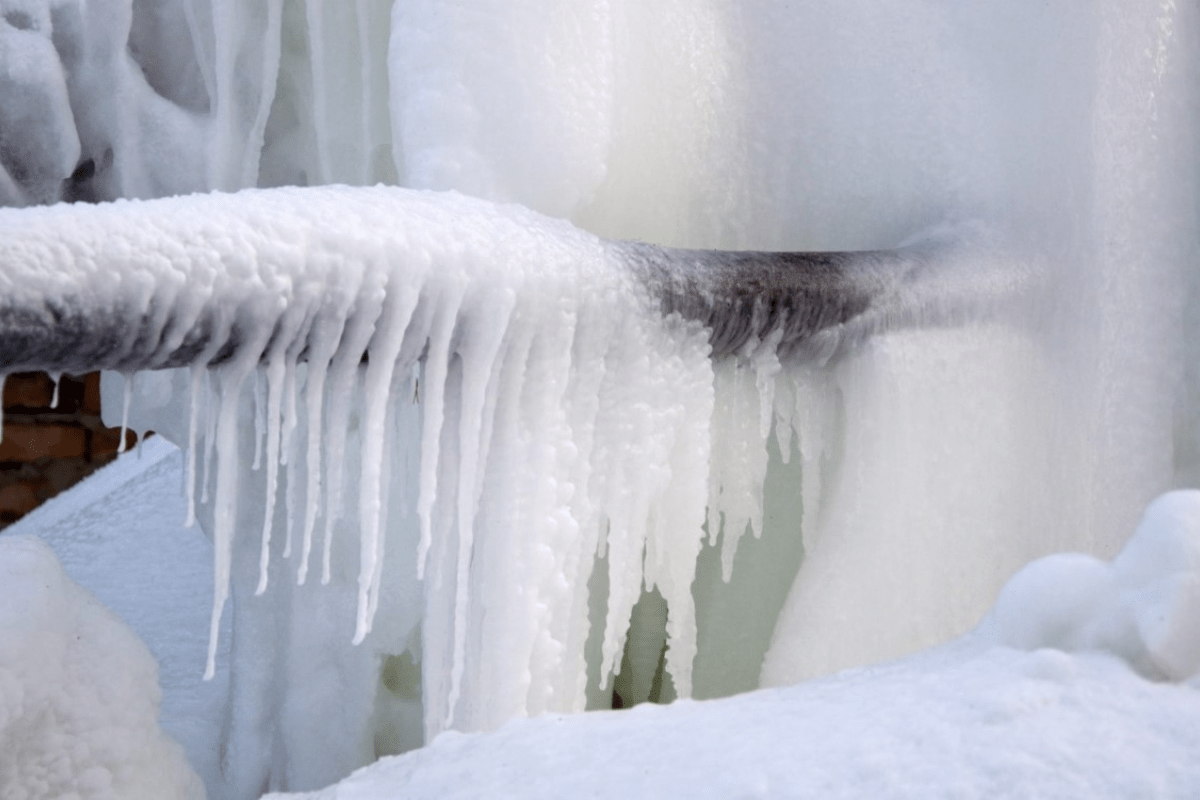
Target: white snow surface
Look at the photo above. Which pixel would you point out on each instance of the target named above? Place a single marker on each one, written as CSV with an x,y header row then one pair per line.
x,y
119,534
961,722
78,693
1059,692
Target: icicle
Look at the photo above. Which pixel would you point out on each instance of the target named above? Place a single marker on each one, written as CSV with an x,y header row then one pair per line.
x,y
197,376
57,378
367,75
129,378
326,334
785,402
290,417
275,379
766,368
437,363
260,420
225,506
410,401
393,447
343,377
385,474
314,15
386,345
210,433
287,457
272,42
222,94
487,326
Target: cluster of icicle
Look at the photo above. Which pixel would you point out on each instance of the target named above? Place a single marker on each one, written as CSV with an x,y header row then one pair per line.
x,y
561,417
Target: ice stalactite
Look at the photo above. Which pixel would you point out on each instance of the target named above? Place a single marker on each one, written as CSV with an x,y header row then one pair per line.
x,y
552,429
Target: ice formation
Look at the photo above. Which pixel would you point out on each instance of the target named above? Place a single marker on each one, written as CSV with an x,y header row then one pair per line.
x,y
78,692
559,414
1142,607
1069,688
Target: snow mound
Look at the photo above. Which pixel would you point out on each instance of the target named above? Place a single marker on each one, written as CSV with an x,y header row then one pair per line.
x,y
78,693
119,534
959,722
1058,693
1144,606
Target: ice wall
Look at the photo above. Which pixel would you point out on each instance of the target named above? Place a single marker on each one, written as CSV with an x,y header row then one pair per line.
x,y
929,465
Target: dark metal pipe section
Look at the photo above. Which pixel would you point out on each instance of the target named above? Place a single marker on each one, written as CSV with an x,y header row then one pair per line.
x,y
806,300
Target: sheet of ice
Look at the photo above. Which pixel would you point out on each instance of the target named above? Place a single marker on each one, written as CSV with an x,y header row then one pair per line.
x,y
78,692
120,535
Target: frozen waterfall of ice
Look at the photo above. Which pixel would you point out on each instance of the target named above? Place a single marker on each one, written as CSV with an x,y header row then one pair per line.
x,y
528,446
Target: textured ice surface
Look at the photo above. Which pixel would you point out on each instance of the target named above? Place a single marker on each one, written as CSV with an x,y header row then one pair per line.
x,y
558,416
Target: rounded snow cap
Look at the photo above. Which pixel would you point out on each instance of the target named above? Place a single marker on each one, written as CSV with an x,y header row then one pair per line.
x,y
1159,575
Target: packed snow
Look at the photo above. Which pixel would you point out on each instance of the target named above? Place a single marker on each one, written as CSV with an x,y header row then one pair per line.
x,y
1070,688
996,723
120,535
79,692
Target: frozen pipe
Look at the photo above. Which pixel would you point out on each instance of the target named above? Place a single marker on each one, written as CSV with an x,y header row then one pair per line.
x,y
59,311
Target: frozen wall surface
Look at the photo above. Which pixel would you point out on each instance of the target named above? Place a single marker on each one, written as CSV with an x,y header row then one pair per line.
x,y
451,423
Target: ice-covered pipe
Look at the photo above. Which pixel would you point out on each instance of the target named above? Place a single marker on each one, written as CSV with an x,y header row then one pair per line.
x,y
154,284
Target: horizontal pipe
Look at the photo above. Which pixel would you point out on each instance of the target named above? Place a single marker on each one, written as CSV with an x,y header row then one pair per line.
x,y
156,284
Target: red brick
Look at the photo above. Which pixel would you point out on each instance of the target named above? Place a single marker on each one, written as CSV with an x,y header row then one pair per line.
x,y
16,500
70,394
106,440
34,392
61,473
24,442
91,394
28,390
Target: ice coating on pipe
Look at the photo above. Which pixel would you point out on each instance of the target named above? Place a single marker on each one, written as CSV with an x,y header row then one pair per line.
x,y
487,301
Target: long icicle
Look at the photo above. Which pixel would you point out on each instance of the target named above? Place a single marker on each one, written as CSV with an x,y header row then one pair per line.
x,y
327,332
197,378
437,364
343,375
388,341
478,356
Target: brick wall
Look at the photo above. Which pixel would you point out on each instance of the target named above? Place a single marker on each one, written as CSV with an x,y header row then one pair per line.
x,y
47,449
